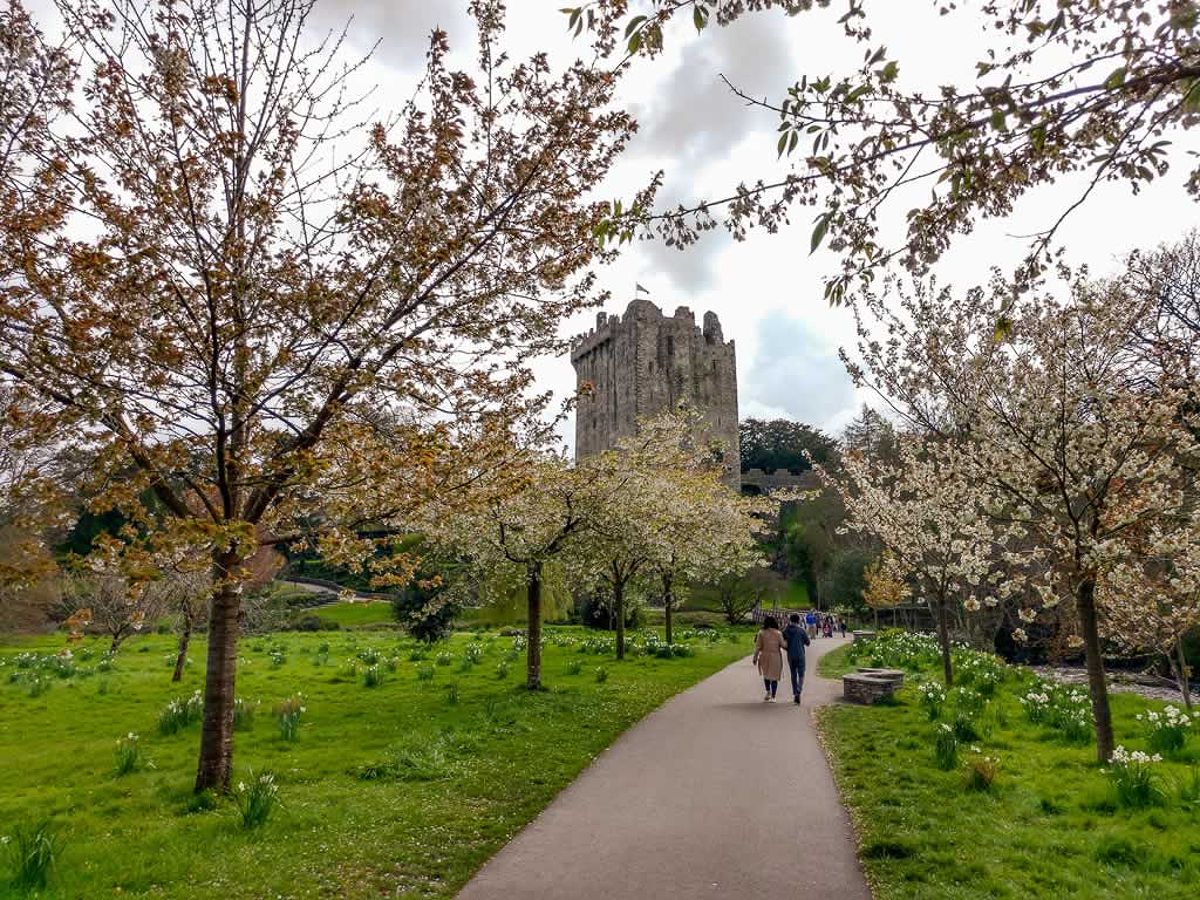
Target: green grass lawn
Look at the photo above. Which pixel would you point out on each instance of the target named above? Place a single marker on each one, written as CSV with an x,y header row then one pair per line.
x,y
401,790
348,615
1049,827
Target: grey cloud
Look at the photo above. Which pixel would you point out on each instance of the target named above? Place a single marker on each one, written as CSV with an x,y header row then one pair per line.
x,y
691,269
696,117
402,27
795,371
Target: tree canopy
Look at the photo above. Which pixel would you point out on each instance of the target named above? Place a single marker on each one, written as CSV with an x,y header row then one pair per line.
x,y
783,444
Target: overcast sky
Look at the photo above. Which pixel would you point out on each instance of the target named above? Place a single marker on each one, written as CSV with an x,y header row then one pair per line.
x,y
767,289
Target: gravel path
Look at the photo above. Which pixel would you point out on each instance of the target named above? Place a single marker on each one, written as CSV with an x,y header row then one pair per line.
x,y
716,794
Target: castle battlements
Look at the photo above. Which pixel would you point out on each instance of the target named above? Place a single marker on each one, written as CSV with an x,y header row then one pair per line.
x,y
646,363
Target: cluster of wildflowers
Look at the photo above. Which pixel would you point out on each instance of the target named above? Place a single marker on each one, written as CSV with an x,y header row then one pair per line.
x,y
648,643
287,716
473,653
933,697
598,646
1062,707
945,747
980,770
898,650
61,664
519,643
981,670
180,712
1133,776
256,798
1168,730
244,712
128,756
369,655
373,676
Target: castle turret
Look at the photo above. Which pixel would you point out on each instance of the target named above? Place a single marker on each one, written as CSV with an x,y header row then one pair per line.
x,y
644,364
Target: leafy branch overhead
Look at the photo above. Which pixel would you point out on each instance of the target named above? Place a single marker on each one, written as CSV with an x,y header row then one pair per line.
x,y
1095,92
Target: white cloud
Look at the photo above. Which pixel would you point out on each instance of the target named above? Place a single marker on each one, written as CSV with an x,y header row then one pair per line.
x,y
796,374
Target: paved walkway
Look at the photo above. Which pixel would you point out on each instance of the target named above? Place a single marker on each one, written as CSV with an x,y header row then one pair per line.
x,y
716,794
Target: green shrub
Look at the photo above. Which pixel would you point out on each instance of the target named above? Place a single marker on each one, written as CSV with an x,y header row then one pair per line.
x,y
425,673
601,674
373,676
423,613
574,667
502,670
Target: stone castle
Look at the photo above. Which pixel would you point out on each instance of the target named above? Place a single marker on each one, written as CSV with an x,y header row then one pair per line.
x,y
644,364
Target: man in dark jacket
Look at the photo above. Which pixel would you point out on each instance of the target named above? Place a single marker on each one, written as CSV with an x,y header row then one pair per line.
x,y
797,640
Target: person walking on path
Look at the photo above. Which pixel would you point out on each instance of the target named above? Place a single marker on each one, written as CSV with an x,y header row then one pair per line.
x,y
796,638
768,650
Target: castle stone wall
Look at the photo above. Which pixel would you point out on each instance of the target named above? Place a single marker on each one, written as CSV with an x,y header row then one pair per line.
x,y
644,364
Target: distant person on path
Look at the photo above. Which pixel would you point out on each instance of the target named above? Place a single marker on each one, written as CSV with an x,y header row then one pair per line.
x,y
768,649
810,619
842,626
797,639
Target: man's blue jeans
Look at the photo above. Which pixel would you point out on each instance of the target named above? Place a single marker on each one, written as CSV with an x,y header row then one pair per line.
x,y
797,669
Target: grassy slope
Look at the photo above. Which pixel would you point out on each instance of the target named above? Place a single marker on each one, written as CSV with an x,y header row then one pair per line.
x,y
350,614
1049,827
493,759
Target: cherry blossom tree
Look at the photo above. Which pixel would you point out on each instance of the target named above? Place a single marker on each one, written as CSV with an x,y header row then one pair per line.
x,y
267,320
931,521
537,516
1152,603
666,510
1075,446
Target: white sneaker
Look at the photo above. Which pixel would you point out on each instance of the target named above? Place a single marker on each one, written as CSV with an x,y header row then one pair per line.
x,y
772,700
766,698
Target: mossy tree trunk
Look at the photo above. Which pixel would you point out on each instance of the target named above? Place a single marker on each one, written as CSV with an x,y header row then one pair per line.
x,y
533,649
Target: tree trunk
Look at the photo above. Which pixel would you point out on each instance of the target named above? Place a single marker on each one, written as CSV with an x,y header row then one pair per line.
x,y
876,613
185,638
533,648
668,602
1182,673
216,735
619,612
943,632
1085,601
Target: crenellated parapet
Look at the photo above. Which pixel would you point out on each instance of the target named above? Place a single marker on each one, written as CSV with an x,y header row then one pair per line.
x,y
645,363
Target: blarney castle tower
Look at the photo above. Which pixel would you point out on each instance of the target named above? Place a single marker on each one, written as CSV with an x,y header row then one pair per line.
x,y
644,364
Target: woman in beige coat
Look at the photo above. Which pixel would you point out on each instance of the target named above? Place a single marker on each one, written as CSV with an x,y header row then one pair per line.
x,y
768,656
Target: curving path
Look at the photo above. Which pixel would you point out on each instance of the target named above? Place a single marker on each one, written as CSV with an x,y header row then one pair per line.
x,y
715,794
